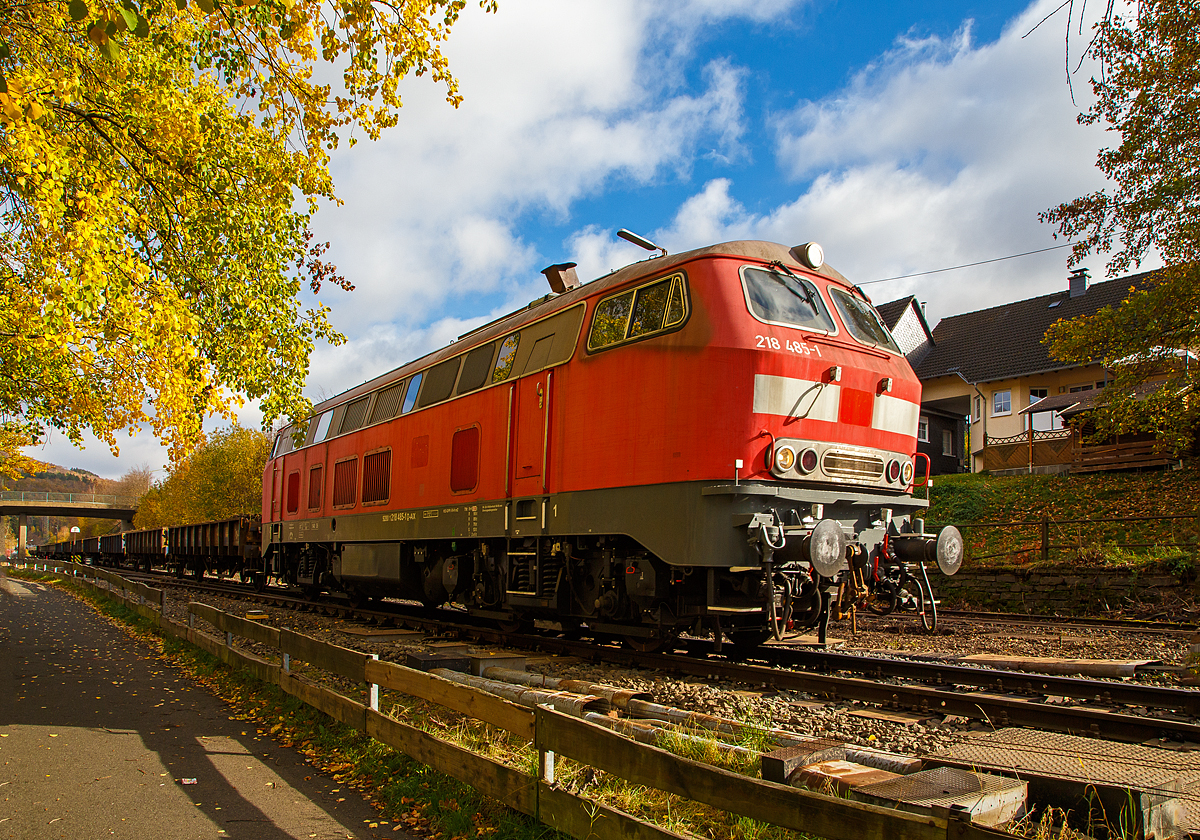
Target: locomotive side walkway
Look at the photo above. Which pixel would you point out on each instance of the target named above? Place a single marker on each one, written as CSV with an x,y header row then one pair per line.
x,y
97,733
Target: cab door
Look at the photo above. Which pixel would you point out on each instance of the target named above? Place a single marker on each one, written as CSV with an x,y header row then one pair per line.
x,y
531,412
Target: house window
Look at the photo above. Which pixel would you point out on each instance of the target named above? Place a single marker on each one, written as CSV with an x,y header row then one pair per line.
x,y
947,442
978,407
1036,394
1087,386
923,430
1001,403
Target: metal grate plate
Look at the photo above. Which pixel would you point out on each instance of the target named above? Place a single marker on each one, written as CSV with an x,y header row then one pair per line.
x,y
941,786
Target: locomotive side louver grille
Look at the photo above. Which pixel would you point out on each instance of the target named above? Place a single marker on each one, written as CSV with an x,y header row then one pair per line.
x,y
377,476
387,404
345,482
852,465
356,414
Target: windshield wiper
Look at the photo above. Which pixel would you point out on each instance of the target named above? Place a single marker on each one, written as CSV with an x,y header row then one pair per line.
x,y
807,297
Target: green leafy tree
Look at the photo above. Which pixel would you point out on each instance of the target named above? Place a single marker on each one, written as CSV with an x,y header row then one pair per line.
x,y
1148,92
152,155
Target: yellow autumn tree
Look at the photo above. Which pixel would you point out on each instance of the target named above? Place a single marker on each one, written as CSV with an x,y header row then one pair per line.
x,y
219,479
159,167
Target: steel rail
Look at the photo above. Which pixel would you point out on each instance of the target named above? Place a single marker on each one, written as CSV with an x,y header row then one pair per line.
x,y
1080,621
1117,693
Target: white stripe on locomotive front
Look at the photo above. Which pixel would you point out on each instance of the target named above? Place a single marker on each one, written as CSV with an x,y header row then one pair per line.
x,y
788,397
802,398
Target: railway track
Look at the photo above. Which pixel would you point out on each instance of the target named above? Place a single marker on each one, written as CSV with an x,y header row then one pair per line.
x,y
1079,621
1109,709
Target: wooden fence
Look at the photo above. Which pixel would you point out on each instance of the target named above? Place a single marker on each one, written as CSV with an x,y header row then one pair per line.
x,y
554,734
1040,537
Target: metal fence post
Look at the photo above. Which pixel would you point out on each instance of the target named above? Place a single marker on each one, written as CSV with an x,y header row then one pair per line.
x,y
287,663
375,689
1045,538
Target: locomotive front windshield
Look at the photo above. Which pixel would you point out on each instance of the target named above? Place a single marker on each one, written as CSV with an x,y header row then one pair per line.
x,y
779,298
862,320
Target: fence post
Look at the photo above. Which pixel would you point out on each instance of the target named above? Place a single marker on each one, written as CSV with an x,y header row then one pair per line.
x,y
545,757
287,663
1045,538
228,639
375,689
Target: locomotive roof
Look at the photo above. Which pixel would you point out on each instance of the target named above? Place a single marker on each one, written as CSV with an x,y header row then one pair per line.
x,y
748,248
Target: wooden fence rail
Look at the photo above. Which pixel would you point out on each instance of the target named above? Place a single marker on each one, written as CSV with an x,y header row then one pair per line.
x,y
553,733
1043,543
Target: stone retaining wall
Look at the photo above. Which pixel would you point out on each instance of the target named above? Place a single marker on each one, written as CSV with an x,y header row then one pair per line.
x,y
1070,590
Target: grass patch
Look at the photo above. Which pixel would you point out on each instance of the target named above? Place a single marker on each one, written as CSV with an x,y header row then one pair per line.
x,y
971,499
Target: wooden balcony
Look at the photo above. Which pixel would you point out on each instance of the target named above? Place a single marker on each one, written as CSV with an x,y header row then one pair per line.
x,y
1030,451
1037,451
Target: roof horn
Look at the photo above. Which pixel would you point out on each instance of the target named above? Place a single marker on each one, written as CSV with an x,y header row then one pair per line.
x,y
640,241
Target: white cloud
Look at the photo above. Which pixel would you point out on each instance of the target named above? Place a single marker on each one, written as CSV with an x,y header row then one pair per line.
x,y
561,102
938,154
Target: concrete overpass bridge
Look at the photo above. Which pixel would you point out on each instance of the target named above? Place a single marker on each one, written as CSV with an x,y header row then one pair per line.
x,y
25,503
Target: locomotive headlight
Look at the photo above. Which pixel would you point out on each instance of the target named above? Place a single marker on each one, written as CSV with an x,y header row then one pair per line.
x,y
907,472
810,254
808,461
785,458
893,471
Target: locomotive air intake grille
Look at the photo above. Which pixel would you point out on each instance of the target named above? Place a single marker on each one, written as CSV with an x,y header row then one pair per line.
x,y
852,465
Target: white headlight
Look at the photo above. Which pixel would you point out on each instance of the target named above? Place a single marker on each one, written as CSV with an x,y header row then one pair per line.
x,y
812,255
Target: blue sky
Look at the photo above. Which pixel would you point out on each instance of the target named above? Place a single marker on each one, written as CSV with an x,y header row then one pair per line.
x,y
903,137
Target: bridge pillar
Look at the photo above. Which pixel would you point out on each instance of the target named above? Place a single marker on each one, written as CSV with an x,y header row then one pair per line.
x,y
126,525
22,524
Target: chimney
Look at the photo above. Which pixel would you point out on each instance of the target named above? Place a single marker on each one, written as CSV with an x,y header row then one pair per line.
x,y
562,277
1079,281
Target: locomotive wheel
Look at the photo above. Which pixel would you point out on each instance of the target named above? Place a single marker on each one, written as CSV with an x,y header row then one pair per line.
x,y
516,626
646,644
742,643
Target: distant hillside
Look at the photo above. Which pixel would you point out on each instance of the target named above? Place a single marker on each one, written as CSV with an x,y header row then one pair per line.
x,y
51,478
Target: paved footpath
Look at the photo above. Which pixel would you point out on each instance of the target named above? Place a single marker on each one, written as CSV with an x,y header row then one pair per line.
x,y
97,732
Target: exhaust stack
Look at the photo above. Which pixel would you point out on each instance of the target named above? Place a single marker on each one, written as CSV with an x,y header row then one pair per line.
x,y
561,277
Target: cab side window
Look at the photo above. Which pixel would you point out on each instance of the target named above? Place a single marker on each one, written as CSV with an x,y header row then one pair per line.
x,y
653,308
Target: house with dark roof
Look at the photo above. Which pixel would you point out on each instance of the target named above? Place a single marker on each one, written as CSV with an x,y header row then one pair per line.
x,y
990,366
940,432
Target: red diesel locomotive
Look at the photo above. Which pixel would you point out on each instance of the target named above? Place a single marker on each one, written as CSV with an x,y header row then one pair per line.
x,y
707,442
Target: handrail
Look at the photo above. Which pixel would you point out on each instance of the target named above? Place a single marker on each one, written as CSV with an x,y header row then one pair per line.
x,y
89,498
